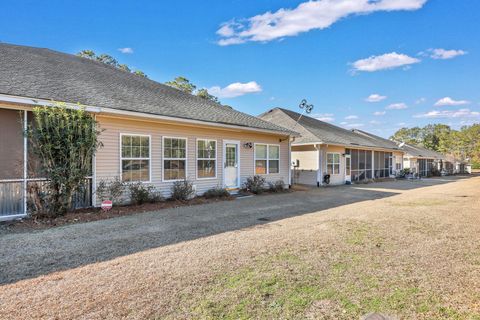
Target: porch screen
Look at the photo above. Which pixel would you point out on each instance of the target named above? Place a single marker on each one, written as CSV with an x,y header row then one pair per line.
x,y
361,164
425,167
383,164
11,144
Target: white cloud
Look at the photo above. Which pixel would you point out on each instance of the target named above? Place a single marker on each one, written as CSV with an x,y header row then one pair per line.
x,y
401,124
379,113
374,122
351,117
309,15
384,62
461,113
327,117
397,106
226,30
445,54
126,50
354,125
420,100
235,89
447,101
230,41
375,98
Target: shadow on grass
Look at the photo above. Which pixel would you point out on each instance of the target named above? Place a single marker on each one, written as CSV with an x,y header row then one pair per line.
x,y
31,254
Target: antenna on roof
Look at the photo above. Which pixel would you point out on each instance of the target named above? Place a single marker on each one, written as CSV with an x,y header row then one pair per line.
x,y
307,108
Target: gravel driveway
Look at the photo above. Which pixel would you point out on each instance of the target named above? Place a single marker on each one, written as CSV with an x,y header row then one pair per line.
x,y
30,254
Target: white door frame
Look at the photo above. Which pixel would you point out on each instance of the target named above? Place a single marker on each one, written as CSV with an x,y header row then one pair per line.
x,y
236,142
348,177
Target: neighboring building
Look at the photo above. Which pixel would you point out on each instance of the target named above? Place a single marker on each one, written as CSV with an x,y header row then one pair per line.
x,y
346,155
424,162
152,133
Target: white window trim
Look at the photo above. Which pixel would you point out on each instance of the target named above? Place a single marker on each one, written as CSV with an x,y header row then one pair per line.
x,y
267,158
333,163
163,158
197,158
149,156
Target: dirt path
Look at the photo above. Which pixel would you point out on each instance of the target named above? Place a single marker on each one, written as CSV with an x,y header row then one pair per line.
x,y
408,249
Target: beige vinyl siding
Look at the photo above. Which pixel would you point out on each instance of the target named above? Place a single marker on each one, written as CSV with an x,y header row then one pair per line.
x,y
307,157
335,179
108,157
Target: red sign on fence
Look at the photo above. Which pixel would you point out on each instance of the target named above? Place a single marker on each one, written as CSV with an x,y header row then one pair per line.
x,y
106,205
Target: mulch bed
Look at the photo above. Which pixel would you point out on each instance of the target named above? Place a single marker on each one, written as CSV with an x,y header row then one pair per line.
x,y
94,214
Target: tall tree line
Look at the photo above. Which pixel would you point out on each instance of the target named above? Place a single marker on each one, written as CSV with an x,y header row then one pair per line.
x,y
464,144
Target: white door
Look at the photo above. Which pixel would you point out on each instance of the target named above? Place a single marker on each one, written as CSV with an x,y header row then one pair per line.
x,y
231,165
348,168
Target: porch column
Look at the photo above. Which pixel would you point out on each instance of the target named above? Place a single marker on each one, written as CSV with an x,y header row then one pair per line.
x,y
373,164
25,159
318,147
289,161
94,175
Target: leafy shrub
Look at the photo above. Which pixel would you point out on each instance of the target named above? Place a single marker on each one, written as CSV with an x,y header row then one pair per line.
x,y
403,173
64,140
182,190
141,193
111,190
276,186
254,184
216,192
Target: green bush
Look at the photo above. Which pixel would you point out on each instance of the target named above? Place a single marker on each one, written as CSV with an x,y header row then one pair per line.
x,y
141,193
182,190
255,184
277,186
111,190
217,192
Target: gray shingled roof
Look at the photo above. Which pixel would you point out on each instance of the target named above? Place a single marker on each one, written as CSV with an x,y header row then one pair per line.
x,y
46,74
420,152
316,131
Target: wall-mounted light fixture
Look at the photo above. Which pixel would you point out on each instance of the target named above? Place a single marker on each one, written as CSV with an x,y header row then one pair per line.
x,y
248,145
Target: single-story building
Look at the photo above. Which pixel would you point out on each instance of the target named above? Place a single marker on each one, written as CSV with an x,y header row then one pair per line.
x,y
424,162
153,133
346,155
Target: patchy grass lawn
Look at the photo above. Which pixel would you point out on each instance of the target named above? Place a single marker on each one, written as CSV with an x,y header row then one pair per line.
x,y
414,255
361,278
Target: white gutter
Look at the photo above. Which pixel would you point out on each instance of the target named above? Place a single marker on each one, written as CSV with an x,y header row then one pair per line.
x,y
101,110
348,146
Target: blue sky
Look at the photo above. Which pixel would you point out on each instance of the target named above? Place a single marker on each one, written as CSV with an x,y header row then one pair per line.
x,y
420,58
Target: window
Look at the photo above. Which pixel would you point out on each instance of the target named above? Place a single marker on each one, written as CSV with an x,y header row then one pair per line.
x,y
267,159
174,158
135,158
333,163
206,158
